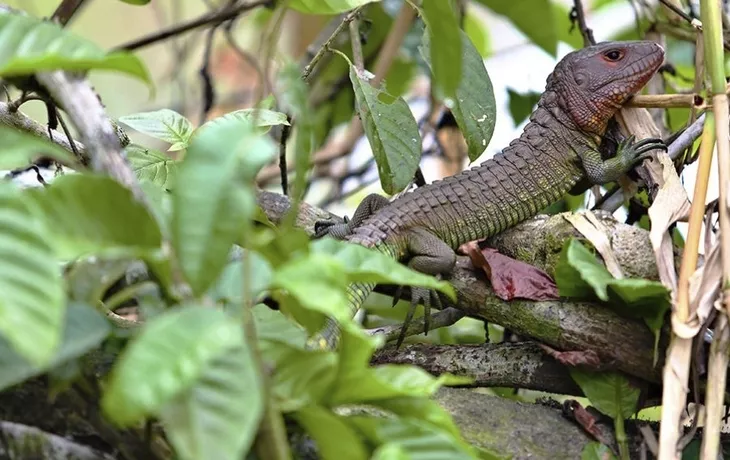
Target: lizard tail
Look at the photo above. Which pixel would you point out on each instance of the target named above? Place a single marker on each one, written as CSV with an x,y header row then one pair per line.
x,y
329,336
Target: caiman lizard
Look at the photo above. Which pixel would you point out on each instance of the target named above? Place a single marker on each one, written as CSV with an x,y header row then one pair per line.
x,y
557,151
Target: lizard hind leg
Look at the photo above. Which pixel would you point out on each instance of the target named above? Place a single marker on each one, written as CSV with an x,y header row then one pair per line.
x,y
367,207
430,255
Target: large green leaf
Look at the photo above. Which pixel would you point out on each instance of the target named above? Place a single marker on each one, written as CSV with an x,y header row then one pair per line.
x,y
474,107
579,274
444,34
219,416
418,439
392,131
168,357
367,265
32,302
92,214
335,438
163,124
326,6
84,329
610,392
152,165
18,149
214,198
30,45
597,451
534,18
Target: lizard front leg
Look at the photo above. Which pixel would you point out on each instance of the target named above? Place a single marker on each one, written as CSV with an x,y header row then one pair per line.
x,y
628,155
430,255
367,207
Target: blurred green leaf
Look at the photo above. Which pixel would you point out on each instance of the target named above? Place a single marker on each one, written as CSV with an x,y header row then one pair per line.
x,y
335,438
521,105
477,33
93,214
534,18
219,416
31,45
214,200
18,149
32,306
169,356
596,451
84,329
326,6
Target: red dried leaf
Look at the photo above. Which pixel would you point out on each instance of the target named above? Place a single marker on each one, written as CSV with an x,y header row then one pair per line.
x,y
588,358
511,278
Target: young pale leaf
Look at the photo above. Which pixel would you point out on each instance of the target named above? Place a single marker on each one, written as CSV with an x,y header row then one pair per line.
x,y
30,45
418,439
163,124
90,214
18,149
390,451
169,356
609,392
263,118
32,303
152,165
218,417
84,329
214,197
474,107
534,18
326,6
477,33
335,438
392,132
446,55
367,265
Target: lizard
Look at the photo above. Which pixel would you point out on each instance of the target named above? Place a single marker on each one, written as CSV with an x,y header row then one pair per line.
x,y
558,152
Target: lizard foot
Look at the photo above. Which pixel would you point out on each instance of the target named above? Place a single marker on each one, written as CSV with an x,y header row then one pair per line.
x,y
636,152
419,295
336,230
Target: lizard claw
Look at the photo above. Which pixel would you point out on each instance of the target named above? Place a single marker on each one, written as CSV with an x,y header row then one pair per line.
x,y
336,230
635,152
418,295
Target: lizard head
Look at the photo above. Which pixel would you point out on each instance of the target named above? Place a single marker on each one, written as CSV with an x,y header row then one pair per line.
x,y
594,82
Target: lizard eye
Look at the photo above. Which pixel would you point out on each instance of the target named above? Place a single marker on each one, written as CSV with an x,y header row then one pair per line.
x,y
613,55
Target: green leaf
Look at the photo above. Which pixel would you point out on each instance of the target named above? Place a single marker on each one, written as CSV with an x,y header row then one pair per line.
x,y
263,118
18,149
219,416
84,329
392,132
444,34
357,382
477,33
164,124
214,197
152,165
418,439
596,451
273,326
521,105
326,6
390,451
361,264
32,304
609,392
168,357
474,107
400,75
579,274
30,45
229,287
91,214
534,18
424,409
334,437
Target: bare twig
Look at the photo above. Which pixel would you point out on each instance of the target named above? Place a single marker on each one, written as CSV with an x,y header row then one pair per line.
x,y
66,10
326,45
580,16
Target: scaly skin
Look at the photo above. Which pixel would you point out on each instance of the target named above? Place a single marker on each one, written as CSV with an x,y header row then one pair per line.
x,y
557,150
